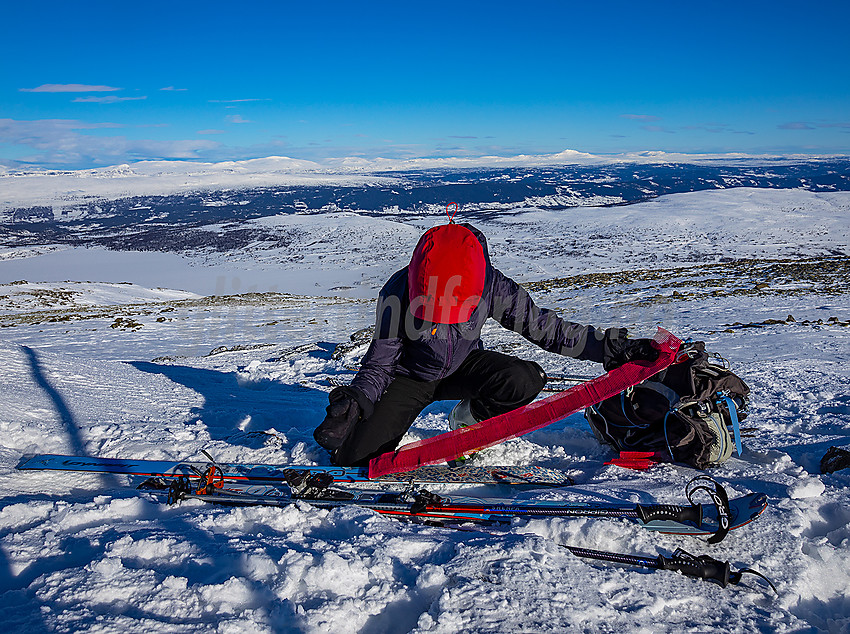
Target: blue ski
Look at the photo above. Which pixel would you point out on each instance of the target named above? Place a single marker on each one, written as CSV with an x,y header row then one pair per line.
x,y
257,473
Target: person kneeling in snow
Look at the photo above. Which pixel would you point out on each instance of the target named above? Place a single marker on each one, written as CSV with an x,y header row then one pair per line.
x,y
427,347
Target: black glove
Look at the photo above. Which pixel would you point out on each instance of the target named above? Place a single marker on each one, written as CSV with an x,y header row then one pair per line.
x,y
619,349
343,413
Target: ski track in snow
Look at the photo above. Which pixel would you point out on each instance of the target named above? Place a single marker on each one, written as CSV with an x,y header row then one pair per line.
x,y
121,370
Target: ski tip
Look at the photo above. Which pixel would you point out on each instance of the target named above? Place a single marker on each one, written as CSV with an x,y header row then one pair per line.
x,y
24,460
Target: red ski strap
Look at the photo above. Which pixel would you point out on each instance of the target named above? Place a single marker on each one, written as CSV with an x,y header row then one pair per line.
x,y
493,431
639,460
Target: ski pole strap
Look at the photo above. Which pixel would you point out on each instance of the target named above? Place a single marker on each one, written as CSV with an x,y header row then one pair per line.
x,y
720,499
701,567
706,567
736,425
735,577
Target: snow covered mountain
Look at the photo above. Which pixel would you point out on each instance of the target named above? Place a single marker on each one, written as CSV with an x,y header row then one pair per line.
x,y
232,345
177,207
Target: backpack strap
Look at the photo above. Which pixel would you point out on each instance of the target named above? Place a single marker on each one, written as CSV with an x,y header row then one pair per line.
x,y
673,399
736,426
628,418
666,439
669,393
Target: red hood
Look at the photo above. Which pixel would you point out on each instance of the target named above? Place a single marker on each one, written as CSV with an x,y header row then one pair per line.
x,y
445,278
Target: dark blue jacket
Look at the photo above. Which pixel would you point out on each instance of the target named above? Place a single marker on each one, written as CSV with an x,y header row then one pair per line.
x,y
406,346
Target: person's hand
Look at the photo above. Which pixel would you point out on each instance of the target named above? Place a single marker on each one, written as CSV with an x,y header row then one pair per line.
x,y
343,413
619,349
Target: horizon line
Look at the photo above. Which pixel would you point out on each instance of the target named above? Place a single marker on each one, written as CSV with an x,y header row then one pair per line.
x,y
379,163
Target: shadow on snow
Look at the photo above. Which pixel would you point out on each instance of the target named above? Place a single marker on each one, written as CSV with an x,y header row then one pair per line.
x,y
241,411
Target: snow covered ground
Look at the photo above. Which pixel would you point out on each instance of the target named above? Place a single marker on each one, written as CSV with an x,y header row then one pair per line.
x,y
348,254
97,367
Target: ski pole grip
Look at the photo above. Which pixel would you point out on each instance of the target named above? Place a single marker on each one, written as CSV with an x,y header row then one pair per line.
x,y
702,567
649,512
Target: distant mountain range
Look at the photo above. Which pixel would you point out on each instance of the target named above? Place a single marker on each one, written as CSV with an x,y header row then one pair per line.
x,y
210,218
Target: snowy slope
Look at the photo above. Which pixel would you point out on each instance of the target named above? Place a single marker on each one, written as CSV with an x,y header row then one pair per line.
x,y
122,370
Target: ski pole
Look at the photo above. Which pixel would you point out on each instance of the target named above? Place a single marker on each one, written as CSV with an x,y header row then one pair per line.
x,y
562,378
700,567
568,378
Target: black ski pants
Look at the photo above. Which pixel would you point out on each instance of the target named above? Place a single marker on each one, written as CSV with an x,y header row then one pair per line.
x,y
495,383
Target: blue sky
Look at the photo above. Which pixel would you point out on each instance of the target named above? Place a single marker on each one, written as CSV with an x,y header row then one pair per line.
x,y
100,83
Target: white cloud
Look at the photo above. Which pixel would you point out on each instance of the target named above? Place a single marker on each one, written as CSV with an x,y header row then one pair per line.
x,y
110,99
70,88
236,100
640,117
16,131
210,132
806,125
717,128
59,142
237,118
656,128
173,89
795,125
